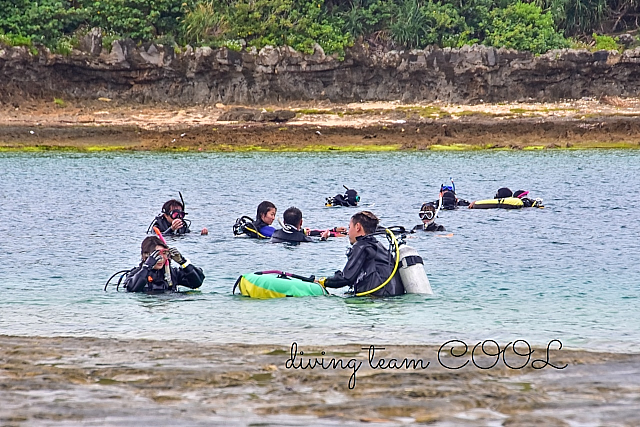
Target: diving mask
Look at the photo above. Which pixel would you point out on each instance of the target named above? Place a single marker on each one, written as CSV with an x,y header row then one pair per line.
x,y
427,213
177,214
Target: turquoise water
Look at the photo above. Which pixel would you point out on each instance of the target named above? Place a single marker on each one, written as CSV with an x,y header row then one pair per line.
x,y
567,272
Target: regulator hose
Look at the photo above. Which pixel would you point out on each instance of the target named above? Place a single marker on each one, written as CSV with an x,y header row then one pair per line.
x,y
395,267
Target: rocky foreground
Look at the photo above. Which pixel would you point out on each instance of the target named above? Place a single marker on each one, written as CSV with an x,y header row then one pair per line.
x,y
89,381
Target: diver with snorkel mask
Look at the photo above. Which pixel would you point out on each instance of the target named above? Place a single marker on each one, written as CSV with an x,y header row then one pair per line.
x,y
428,214
172,219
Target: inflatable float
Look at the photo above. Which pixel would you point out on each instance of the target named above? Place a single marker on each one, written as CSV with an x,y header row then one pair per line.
x,y
504,203
277,284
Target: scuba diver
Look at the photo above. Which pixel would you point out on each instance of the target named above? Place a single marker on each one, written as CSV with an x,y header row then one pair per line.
x,y
292,232
172,219
155,275
448,198
260,228
369,265
527,202
349,198
428,215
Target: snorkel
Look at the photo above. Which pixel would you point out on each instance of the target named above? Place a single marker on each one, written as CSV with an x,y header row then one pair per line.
x,y
167,268
184,207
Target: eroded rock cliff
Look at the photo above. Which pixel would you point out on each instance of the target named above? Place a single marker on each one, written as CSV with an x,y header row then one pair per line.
x,y
154,73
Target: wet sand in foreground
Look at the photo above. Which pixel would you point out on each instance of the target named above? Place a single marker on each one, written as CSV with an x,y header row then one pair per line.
x,y
81,381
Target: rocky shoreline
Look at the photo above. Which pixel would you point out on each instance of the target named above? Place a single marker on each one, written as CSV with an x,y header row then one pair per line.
x,y
152,97
117,125
118,382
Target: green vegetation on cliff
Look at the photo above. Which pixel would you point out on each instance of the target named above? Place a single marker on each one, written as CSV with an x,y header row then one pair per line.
x,y
536,26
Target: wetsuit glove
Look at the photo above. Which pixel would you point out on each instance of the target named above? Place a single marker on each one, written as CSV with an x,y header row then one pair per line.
x,y
177,256
153,259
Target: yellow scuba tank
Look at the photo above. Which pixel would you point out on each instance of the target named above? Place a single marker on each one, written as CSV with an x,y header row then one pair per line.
x,y
412,274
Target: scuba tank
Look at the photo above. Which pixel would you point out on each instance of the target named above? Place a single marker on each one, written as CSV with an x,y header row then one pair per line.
x,y
412,274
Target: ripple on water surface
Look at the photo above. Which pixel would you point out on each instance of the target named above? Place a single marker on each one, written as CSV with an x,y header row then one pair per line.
x,y
566,272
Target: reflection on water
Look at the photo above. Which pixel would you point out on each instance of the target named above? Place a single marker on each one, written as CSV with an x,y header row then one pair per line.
x,y
568,271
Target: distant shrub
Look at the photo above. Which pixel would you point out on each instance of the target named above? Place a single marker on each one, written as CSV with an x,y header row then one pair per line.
x,y
296,23
607,43
15,40
42,21
141,20
205,22
523,26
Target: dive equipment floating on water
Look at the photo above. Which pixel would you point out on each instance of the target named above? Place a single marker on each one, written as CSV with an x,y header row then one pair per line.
x,y
504,203
277,284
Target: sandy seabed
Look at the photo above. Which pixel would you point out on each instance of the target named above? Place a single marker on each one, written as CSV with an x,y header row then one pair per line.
x,y
91,381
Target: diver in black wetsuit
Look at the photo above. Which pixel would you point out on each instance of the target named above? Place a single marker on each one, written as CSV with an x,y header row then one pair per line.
x,y
449,198
369,263
527,202
171,220
428,216
155,275
349,198
292,231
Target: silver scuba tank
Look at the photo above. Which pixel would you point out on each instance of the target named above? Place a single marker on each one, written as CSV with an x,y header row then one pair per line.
x,y
412,274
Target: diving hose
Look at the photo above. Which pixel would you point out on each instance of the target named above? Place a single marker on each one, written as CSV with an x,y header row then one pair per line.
x,y
395,267
257,232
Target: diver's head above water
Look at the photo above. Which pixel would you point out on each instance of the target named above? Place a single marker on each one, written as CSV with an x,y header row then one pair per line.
x,y
173,210
361,224
293,217
427,213
266,212
352,197
151,244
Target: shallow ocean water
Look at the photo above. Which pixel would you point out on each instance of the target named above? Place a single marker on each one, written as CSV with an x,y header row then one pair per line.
x,y
567,272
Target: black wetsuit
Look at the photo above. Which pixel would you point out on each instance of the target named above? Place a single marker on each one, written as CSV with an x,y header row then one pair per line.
x,y
431,227
528,203
165,226
346,199
369,264
450,201
138,279
263,228
293,236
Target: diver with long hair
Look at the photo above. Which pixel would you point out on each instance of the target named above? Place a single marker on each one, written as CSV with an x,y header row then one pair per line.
x,y
155,274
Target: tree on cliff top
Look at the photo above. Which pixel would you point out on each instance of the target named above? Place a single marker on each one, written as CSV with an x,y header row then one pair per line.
x,y
523,26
